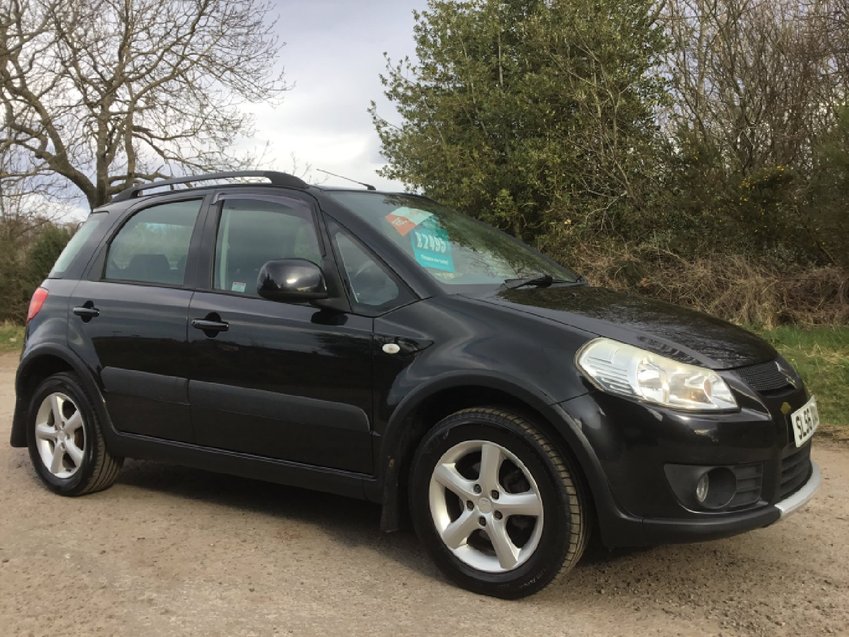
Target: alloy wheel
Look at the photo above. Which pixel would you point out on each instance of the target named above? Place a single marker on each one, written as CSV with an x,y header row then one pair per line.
x,y
486,506
60,435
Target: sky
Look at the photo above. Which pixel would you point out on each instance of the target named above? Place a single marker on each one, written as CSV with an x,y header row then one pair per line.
x,y
332,59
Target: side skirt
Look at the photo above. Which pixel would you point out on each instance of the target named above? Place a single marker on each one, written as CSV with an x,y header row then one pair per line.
x,y
345,483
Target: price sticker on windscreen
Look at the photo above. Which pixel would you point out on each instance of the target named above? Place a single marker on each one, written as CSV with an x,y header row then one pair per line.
x,y
432,247
405,219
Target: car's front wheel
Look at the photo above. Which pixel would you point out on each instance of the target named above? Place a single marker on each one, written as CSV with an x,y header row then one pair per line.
x,y
65,443
498,508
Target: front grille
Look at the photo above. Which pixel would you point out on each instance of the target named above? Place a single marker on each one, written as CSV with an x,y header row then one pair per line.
x,y
765,378
749,485
795,469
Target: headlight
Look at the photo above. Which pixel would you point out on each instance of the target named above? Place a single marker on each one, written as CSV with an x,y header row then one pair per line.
x,y
630,371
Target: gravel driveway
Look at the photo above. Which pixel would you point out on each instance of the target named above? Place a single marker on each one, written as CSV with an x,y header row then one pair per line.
x,y
175,551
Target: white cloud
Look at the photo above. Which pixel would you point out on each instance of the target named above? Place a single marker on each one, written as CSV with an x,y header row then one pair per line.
x,y
333,58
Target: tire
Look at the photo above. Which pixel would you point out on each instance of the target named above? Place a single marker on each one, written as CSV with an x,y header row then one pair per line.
x,y
65,442
529,500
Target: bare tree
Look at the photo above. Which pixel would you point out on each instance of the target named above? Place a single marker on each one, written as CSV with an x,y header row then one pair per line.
x,y
107,92
27,201
835,35
752,77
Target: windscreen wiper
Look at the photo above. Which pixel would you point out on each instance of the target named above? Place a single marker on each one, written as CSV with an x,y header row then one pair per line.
x,y
538,280
533,280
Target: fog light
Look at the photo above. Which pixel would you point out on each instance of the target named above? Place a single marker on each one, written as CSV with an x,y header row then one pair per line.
x,y
702,488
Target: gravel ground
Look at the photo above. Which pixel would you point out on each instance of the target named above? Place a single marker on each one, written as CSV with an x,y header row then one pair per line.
x,y
174,551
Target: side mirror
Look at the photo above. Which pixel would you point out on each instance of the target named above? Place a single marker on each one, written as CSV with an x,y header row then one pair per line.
x,y
291,280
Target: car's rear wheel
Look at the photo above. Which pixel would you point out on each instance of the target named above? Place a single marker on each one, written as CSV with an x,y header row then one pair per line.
x,y
65,443
499,509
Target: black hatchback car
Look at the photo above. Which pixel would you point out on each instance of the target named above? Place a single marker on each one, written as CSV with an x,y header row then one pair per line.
x,y
382,346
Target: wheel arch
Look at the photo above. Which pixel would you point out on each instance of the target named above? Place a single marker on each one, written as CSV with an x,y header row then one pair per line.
x,y
33,369
423,409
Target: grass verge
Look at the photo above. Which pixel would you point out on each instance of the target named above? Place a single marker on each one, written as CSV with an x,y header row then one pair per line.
x,y
821,356
11,337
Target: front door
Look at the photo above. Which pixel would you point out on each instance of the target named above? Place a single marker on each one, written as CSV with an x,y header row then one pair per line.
x,y
280,380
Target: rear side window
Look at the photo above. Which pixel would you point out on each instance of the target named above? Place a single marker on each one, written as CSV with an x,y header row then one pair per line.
x,y
153,246
252,232
80,238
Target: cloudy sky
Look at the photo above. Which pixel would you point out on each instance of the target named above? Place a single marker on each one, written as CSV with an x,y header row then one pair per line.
x,y
332,58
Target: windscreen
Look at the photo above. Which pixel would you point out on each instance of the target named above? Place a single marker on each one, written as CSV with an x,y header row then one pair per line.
x,y
450,246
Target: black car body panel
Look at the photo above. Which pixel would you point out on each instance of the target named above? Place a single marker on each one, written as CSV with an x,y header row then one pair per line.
x,y
670,330
138,344
331,397
266,385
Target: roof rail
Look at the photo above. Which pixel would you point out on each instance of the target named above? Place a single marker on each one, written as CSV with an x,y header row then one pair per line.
x,y
276,179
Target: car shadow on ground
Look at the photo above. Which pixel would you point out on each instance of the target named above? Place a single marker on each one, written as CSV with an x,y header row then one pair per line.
x,y
351,522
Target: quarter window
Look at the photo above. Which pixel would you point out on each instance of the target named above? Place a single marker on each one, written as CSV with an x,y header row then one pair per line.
x,y
370,285
153,246
72,248
252,232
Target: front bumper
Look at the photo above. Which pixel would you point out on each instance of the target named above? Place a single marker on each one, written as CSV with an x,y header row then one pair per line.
x,y
662,531
797,500
631,444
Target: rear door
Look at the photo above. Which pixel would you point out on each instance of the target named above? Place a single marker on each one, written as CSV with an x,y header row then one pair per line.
x,y
280,380
131,317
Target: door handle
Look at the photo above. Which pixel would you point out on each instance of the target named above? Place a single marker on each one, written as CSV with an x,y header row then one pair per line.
x,y
86,311
210,325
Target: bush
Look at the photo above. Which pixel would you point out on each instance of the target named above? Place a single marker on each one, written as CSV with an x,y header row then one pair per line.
x,y
735,287
26,258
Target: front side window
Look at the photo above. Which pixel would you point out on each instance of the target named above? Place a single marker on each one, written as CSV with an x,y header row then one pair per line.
x,y
153,246
252,232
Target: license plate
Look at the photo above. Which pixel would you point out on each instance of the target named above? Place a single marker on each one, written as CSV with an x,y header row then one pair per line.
x,y
805,421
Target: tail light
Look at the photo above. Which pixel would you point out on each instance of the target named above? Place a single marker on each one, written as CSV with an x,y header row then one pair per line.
x,y
35,303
